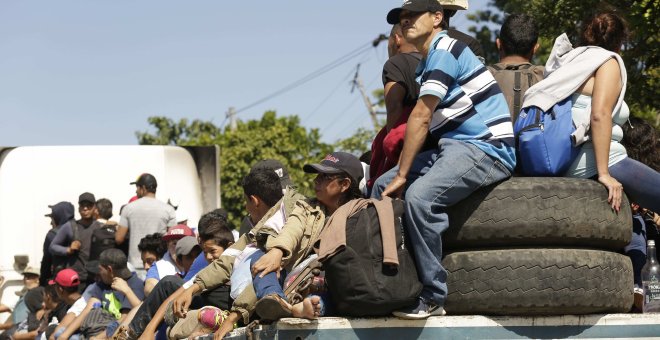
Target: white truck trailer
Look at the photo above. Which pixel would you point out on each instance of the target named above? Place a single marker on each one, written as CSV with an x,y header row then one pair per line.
x,y
34,177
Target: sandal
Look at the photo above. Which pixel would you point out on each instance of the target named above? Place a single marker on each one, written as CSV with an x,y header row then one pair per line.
x,y
272,307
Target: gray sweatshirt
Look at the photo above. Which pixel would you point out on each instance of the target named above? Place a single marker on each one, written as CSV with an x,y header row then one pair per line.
x,y
566,70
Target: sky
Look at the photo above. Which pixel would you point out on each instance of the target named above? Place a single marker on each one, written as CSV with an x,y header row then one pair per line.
x,y
92,72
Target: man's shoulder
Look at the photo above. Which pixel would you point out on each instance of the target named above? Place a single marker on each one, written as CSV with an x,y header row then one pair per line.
x,y
134,281
148,203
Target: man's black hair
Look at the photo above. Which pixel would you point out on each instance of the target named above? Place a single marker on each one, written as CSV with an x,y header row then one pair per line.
x,y
104,207
68,290
51,291
519,35
208,218
153,243
219,231
264,184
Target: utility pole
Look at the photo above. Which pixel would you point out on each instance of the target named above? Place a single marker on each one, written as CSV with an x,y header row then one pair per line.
x,y
231,115
357,81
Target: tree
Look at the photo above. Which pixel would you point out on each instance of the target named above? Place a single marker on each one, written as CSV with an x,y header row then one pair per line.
x,y
358,143
281,138
641,53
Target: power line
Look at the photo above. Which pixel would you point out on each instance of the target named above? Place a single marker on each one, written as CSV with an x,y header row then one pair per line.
x,y
324,69
341,82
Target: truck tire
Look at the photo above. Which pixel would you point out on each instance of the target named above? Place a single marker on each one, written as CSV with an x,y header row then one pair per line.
x,y
528,211
538,282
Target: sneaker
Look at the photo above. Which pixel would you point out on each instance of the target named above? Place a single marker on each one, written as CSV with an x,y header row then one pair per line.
x,y
272,307
421,310
212,317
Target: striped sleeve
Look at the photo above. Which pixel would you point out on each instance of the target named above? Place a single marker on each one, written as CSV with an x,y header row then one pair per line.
x,y
440,73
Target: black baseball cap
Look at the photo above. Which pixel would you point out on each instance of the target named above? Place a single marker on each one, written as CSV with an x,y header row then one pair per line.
x,y
413,6
87,197
338,162
116,259
146,180
277,167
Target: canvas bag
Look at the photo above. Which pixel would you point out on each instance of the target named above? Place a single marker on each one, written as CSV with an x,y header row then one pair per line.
x,y
543,140
514,80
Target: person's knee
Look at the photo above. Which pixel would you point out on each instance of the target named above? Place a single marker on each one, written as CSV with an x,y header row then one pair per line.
x,y
416,196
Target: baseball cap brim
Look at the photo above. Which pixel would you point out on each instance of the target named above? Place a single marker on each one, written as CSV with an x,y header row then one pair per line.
x,y
92,267
318,168
393,16
124,273
51,282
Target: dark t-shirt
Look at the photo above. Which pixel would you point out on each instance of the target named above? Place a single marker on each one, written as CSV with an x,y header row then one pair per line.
x,y
401,69
114,301
472,43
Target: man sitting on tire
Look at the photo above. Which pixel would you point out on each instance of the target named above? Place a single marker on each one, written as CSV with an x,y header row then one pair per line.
x,y
462,107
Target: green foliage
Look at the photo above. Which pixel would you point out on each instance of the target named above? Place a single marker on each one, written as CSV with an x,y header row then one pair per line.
x,y
358,143
281,138
641,53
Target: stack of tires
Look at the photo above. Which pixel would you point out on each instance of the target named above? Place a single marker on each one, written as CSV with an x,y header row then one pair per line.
x,y
538,246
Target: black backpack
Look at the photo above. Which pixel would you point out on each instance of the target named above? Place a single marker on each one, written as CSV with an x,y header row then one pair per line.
x,y
359,282
102,238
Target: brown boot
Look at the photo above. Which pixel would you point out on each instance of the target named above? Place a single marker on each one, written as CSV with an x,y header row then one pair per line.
x,y
272,307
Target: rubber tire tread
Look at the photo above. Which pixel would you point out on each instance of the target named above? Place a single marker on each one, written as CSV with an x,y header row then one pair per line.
x,y
535,211
538,282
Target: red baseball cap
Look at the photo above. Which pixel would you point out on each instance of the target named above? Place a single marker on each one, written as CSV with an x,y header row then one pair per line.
x,y
178,232
66,278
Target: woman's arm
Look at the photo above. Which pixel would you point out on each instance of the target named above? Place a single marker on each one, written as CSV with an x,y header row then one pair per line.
x,y
607,87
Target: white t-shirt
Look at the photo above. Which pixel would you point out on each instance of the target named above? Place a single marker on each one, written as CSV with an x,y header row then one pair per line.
x,y
77,306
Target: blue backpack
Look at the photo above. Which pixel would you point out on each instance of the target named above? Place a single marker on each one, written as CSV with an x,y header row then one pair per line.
x,y
543,139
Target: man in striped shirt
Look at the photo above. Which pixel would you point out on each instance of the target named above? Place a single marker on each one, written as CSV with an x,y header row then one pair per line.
x,y
461,106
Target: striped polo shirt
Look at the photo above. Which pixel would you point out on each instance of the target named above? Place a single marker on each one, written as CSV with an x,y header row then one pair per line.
x,y
472,107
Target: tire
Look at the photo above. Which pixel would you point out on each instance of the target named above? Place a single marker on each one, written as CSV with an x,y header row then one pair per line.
x,y
538,282
528,211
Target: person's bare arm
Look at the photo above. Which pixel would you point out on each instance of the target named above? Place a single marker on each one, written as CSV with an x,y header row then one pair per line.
x,y
75,324
121,285
7,324
120,234
68,318
416,130
159,316
394,95
149,285
227,325
607,86
26,336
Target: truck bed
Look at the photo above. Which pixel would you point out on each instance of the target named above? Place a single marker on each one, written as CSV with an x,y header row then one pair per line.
x,y
610,326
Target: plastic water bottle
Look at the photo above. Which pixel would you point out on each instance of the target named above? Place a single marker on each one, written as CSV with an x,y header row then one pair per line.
x,y
651,280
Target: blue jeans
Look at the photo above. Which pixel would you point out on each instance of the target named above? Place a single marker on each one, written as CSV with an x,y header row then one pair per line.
x,y
438,179
75,336
269,284
640,183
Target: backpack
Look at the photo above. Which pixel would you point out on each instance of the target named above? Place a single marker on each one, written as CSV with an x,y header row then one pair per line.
x,y
102,238
543,139
514,80
359,282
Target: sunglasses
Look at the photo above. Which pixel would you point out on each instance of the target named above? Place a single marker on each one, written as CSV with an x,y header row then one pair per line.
x,y
321,177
